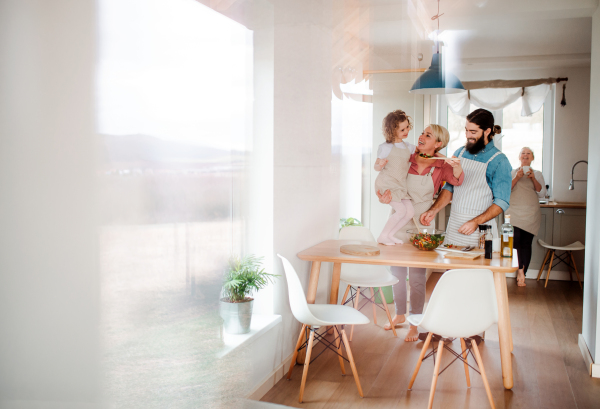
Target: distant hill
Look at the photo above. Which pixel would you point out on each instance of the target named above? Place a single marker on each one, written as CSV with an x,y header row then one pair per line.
x,y
149,149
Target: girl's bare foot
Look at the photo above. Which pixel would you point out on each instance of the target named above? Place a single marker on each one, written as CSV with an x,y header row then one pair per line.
x,y
397,320
413,334
521,278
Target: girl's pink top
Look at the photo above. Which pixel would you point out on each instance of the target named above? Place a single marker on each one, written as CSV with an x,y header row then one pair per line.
x,y
442,172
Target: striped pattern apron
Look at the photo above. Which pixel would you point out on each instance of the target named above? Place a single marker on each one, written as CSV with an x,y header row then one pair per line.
x,y
393,176
469,200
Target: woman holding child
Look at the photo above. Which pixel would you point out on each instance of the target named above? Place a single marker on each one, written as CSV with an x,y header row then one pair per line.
x,y
408,181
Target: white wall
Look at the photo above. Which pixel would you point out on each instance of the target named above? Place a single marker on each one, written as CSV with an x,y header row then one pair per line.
x,y
592,264
50,286
570,123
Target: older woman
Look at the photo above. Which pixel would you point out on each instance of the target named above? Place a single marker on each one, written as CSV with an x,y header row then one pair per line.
x,y
527,187
425,177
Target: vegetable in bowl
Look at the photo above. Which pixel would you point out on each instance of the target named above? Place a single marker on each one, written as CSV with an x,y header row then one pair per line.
x,y
426,239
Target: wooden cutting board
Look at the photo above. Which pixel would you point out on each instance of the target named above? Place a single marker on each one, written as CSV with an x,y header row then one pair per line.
x,y
463,256
359,250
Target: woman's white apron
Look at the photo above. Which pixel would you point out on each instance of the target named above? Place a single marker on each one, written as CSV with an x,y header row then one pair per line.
x,y
524,207
421,190
469,200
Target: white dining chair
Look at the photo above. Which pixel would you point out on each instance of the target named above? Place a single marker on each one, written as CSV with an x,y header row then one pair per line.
x,y
364,276
314,316
566,257
463,303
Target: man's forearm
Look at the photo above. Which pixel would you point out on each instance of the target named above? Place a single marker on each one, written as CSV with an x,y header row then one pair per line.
x,y
443,199
491,212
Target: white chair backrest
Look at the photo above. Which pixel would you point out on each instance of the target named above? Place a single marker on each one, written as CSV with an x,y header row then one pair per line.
x,y
298,302
463,304
356,233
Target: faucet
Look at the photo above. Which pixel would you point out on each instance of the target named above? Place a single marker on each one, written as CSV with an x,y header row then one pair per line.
x,y
572,184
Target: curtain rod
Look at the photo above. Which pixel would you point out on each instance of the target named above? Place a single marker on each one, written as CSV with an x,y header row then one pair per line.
x,y
469,85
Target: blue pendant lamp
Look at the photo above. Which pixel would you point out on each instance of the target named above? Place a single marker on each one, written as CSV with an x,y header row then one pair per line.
x,y
436,80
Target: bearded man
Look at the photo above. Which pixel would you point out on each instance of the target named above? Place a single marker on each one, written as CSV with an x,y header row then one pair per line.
x,y
485,192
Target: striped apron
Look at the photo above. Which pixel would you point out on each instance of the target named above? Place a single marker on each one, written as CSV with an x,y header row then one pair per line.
x,y
421,190
469,200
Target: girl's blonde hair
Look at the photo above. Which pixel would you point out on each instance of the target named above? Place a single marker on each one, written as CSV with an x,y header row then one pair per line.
x,y
441,135
391,122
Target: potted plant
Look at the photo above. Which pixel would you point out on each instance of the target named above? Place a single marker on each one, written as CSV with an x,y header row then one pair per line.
x,y
351,221
244,276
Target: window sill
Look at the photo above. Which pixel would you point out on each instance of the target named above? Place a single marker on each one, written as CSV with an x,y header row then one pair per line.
x,y
260,324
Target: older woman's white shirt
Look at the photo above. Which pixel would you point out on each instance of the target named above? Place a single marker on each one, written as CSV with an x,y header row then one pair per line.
x,y
538,176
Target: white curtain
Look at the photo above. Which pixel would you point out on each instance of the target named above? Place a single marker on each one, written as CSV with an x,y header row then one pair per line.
x,y
498,98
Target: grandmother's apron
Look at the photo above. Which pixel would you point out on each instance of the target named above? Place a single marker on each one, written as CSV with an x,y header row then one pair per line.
x,y
393,176
524,207
421,190
469,200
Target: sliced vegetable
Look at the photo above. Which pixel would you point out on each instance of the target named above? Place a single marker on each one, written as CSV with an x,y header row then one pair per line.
x,y
426,156
426,241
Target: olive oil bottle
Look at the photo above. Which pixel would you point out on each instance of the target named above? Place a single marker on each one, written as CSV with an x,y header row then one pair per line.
x,y
508,233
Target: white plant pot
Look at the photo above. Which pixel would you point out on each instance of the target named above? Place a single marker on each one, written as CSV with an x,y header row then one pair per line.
x,y
237,317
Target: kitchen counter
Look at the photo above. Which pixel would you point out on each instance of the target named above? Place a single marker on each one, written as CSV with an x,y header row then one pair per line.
x,y
565,205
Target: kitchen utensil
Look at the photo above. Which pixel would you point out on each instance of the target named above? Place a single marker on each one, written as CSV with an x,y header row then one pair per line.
x,y
359,250
462,256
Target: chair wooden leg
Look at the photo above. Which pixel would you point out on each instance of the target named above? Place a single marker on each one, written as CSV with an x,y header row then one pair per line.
x,y
345,295
356,308
549,269
338,344
387,311
576,271
306,363
352,364
483,375
543,265
374,306
465,354
289,375
436,371
569,266
420,361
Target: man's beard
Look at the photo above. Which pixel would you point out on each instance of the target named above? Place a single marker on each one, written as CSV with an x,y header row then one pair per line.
x,y
475,147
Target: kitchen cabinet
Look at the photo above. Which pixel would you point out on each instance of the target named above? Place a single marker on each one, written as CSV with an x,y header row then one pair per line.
x,y
559,226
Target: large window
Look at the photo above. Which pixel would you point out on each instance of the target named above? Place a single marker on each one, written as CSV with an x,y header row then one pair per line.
x,y
535,131
175,99
519,131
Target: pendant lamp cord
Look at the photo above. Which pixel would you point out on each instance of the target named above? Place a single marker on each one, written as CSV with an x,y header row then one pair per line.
x,y
437,17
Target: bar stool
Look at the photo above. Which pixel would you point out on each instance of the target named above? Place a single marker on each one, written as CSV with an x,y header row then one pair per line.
x,y
566,257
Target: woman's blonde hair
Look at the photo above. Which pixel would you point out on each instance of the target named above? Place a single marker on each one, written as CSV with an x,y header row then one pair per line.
x,y
530,150
441,135
391,122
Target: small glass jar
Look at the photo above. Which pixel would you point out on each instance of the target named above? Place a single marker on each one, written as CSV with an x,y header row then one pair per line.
x,y
482,230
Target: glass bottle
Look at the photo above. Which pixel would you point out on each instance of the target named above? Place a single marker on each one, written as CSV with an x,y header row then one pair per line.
x,y
488,243
508,232
482,230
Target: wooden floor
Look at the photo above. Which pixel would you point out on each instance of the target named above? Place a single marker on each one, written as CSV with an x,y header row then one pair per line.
x,y
549,370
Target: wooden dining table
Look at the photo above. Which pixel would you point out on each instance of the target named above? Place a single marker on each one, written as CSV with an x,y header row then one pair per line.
x,y
409,256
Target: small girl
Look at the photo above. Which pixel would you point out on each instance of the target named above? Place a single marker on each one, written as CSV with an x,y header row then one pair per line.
x,y
393,164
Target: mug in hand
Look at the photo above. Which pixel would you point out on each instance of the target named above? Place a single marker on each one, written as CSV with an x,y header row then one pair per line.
x,y
526,169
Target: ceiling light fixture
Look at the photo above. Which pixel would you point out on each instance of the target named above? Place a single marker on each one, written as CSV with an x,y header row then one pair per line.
x,y
436,80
